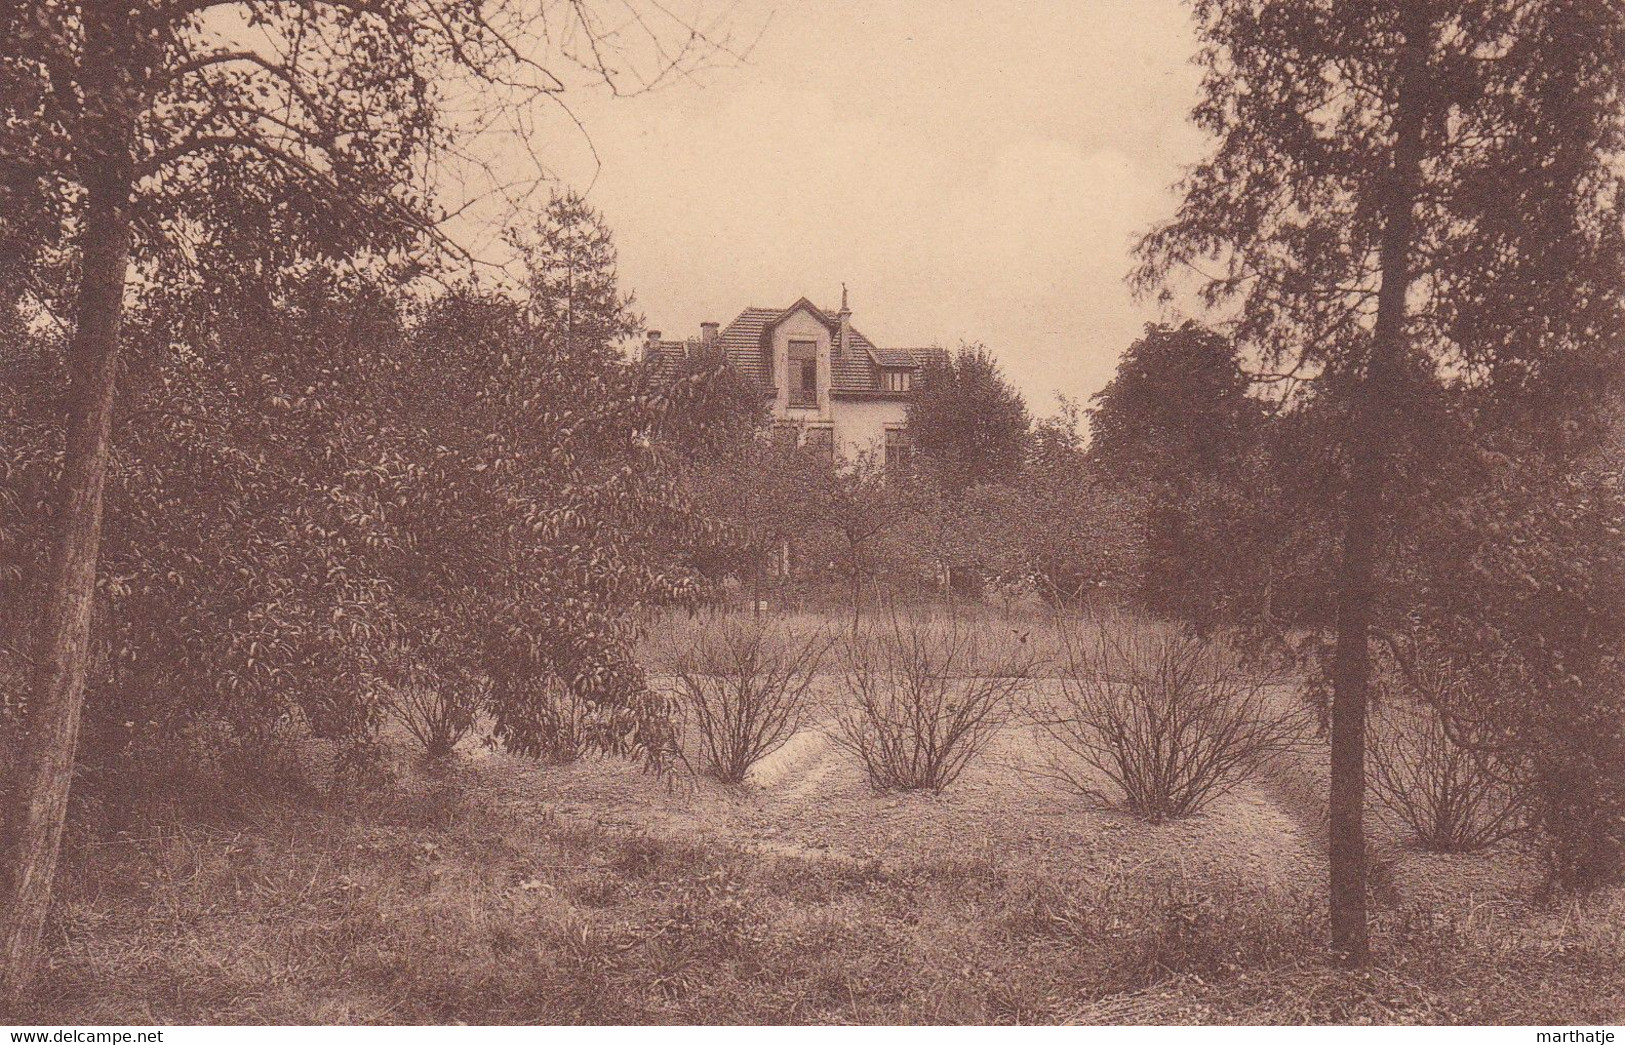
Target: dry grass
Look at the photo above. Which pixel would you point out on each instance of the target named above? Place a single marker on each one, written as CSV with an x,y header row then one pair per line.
x,y
438,904
1001,638
487,893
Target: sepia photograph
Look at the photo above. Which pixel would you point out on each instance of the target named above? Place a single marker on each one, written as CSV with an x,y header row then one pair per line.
x,y
806,513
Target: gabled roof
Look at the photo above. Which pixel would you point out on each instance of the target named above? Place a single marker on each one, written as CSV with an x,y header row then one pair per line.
x,y
748,343
666,358
817,313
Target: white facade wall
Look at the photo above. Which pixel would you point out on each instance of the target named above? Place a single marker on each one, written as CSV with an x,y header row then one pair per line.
x,y
861,425
800,327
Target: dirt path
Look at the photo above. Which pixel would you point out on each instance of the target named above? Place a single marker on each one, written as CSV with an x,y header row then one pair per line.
x,y
811,799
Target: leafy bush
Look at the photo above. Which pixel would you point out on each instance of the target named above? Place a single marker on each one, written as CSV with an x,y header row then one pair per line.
x,y
322,480
563,725
926,701
1520,593
744,688
1172,720
1452,799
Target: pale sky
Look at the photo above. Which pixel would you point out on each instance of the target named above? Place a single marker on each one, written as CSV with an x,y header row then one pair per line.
x,y
972,171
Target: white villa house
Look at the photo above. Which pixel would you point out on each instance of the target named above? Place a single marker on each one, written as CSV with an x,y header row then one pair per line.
x,y
829,384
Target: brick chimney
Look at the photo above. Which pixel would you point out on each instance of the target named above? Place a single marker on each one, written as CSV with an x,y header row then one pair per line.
x,y
843,342
651,347
708,334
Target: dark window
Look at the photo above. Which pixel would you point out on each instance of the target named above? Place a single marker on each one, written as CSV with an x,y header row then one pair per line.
x,y
899,450
803,373
897,380
821,441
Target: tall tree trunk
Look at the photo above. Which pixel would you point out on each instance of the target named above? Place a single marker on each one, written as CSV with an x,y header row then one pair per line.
x,y
45,765
857,585
758,570
1373,411
1351,681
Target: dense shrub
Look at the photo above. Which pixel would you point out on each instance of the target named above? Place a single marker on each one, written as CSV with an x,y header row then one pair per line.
x,y
743,686
1521,597
1178,433
1172,720
926,699
324,484
564,726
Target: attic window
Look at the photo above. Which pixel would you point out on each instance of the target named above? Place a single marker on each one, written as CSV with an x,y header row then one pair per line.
x,y
803,373
896,380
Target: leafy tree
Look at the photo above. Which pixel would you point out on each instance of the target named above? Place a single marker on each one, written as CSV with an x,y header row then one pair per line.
x,y
1057,529
1398,197
1066,537
715,409
751,501
1517,600
1079,535
966,420
124,118
856,505
531,518
1177,406
239,601
1178,425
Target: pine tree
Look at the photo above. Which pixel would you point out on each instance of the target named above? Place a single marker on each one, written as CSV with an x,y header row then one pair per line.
x,y
1402,197
570,276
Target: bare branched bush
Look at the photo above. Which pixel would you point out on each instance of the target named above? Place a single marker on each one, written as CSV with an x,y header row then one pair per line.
x,y
743,686
1453,799
1173,721
438,712
926,699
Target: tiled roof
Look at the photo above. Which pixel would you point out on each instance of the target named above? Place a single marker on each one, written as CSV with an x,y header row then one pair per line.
x,y
743,341
893,357
748,347
667,360
924,357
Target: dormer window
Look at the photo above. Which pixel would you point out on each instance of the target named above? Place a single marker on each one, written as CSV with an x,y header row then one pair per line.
x,y
897,380
803,373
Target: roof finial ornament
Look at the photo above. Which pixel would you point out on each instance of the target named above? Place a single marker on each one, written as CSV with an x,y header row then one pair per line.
x,y
843,333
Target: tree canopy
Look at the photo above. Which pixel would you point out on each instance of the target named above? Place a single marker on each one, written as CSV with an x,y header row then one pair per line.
x,y
1395,196
968,422
142,135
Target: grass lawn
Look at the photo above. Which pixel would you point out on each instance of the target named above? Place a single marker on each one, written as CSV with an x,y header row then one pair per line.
x,y
501,891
